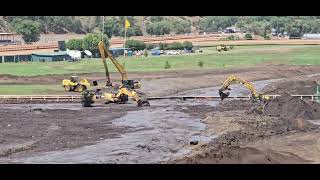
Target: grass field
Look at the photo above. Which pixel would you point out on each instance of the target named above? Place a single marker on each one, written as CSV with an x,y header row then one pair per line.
x,y
30,89
239,56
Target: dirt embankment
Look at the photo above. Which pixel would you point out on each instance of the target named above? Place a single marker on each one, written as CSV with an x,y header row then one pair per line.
x,y
292,107
237,129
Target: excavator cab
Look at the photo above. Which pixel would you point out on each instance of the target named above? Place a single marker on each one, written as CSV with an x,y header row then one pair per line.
x,y
74,79
131,84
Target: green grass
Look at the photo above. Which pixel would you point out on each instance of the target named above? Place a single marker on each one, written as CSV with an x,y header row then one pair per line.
x,y
30,89
237,57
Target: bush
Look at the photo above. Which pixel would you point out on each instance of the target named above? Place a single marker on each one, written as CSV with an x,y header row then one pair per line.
x,y
248,36
145,53
200,64
167,65
75,44
233,38
135,45
188,45
175,46
163,46
150,46
267,37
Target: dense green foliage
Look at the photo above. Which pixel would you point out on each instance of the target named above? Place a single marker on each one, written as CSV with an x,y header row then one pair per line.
x,y
294,26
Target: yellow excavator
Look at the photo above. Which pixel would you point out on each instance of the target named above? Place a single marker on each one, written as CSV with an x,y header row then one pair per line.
x,y
126,89
255,96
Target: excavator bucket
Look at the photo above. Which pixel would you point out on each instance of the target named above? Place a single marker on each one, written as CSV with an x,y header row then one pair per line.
x,y
223,95
143,103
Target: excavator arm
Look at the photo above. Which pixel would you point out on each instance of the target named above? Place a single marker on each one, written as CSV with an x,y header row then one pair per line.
x,y
126,90
105,54
130,84
234,80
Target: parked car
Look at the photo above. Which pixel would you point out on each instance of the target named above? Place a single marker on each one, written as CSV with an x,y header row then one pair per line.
x,y
173,53
156,52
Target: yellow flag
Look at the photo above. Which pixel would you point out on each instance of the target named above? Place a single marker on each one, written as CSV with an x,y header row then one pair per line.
x,y
127,24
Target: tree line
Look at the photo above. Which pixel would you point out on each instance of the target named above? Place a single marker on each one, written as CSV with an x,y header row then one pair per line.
x,y
31,26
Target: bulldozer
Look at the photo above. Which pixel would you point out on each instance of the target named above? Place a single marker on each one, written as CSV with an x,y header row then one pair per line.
x,y
255,96
221,48
125,90
73,84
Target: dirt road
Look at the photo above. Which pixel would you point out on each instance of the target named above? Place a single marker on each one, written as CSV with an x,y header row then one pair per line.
x,y
68,133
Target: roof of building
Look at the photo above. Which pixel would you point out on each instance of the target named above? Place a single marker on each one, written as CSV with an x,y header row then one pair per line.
x,y
3,33
60,53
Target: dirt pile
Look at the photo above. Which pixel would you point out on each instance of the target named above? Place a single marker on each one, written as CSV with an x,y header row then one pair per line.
x,y
299,87
242,155
291,108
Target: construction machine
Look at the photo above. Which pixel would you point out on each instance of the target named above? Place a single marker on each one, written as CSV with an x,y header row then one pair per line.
x,y
224,48
126,89
73,84
255,96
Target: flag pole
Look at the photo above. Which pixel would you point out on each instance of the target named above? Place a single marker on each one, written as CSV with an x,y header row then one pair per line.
x,y
102,32
125,36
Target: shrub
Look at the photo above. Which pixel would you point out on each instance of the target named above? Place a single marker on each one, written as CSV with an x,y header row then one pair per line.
x,y
167,65
175,46
200,64
248,36
135,45
163,46
187,44
233,38
267,37
145,53
150,46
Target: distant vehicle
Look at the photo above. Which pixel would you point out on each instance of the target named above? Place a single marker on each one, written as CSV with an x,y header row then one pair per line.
x,y
229,30
173,53
155,52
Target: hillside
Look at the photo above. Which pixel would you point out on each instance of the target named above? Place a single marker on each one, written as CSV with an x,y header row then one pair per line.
x,y
160,25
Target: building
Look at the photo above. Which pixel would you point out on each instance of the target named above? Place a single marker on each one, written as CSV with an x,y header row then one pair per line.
x,y
8,38
50,57
311,36
119,51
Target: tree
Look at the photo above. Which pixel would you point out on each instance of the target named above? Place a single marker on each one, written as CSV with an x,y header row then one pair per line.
x,y
110,27
91,41
135,45
187,44
215,23
248,36
75,44
181,27
30,31
175,46
158,28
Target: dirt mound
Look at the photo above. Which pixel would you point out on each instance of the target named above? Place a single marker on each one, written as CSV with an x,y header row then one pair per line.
x,y
242,155
307,87
292,108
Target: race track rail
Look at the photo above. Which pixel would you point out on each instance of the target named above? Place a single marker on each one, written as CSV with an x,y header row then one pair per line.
x,y
78,97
